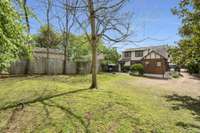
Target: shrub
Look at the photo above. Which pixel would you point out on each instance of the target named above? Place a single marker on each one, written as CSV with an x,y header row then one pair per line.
x,y
193,68
126,68
137,68
175,75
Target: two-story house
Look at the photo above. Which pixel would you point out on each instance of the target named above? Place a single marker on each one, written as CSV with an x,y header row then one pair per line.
x,y
155,59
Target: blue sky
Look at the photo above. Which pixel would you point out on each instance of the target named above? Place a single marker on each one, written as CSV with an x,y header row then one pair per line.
x,y
152,19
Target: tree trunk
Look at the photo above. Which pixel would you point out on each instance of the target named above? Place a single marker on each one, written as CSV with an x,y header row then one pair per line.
x,y
93,43
28,32
66,38
26,15
94,68
47,62
65,60
48,29
27,71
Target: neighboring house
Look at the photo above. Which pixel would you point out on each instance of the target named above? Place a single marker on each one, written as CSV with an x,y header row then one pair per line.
x,y
155,59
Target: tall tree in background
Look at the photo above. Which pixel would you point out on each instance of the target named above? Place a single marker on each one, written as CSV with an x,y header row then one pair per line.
x,y
102,20
66,23
48,5
79,48
47,37
26,14
187,53
23,5
12,38
111,56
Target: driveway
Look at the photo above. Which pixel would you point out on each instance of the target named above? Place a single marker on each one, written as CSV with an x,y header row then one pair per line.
x,y
185,85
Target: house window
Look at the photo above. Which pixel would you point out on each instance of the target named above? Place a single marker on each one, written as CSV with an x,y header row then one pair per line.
x,y
128,63
146,63
127,54
139,53
158,64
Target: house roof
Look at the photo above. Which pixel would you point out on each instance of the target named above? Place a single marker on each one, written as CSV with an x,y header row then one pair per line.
x,y
155,53
145,48
162,50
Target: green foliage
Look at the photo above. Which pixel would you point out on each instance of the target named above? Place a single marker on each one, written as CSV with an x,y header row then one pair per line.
x,y
111,56
126,68
26,12
187,53
193,67
79,48
12,38
47,37
174,74
137,68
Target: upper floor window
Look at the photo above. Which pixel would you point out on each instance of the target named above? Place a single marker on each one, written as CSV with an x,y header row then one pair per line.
x,y
127,54
139,53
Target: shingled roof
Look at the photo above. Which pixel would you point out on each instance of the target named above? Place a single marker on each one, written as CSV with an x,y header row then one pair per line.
x,y
162,49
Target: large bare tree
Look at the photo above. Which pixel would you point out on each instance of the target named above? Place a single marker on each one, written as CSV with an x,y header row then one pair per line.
x,y
102,20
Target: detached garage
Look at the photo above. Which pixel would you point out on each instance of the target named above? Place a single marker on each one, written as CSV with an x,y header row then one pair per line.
x,y
155,63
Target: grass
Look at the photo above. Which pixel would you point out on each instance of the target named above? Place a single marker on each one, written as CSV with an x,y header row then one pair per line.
x,y
64,104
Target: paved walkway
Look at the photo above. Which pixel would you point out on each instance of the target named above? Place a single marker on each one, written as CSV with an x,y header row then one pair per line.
x,y
154,75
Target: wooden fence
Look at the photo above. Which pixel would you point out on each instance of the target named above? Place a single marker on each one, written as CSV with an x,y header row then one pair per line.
x,y
55,62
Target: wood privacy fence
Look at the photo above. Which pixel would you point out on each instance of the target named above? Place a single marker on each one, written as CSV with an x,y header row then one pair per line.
x,y
38,63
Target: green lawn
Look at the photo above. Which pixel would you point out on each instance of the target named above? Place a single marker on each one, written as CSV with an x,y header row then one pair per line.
x,y
64,104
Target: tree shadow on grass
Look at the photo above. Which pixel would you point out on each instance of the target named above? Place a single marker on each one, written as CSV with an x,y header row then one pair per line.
x,y
187,125
69,112
186,102
49,104
18,106
21,104
85,120
195,77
